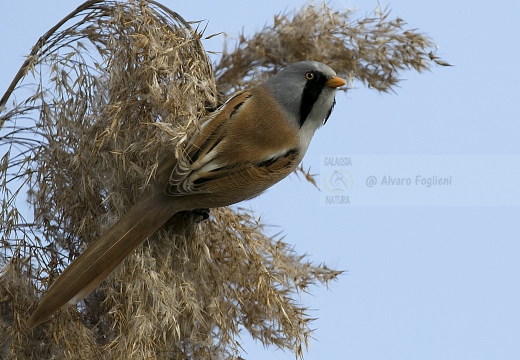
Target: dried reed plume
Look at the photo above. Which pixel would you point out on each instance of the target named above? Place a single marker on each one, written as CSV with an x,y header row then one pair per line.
x,y
118,84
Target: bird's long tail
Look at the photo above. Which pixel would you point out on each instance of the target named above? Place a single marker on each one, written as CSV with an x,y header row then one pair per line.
x,y
86,272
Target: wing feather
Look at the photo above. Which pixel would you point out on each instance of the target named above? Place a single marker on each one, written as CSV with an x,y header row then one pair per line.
x,y
202,148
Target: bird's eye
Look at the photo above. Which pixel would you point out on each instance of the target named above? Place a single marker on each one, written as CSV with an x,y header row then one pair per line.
x,y
309,75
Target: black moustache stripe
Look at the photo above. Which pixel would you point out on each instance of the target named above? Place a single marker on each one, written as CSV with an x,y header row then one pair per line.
x,y
311,93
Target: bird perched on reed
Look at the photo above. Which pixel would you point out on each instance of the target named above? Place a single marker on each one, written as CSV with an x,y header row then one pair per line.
x,y
257,138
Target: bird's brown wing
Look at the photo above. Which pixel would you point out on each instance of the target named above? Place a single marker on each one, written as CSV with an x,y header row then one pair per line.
x,y
199,155
223,154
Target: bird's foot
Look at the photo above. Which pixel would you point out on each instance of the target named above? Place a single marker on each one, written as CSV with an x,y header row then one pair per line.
x,y
199,215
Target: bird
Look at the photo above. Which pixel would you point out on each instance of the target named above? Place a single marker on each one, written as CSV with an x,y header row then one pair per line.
x,y
255,139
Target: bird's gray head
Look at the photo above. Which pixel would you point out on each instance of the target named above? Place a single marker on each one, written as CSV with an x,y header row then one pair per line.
x,y
306,91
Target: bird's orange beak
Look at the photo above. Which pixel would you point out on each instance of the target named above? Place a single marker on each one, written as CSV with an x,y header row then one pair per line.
x,y
335,82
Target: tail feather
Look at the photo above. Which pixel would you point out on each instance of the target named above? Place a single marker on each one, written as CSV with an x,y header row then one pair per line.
x,y
86,272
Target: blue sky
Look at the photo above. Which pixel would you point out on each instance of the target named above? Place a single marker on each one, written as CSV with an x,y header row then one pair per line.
x,y
424,281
